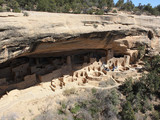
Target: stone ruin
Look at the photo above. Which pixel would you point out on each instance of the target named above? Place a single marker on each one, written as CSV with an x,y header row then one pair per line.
x,y
83,67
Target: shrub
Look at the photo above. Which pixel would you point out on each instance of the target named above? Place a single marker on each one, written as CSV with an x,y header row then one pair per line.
x,y
17,10
70,91
84,104
114,100
120,3
141,50
114,11
155,115
94,107
95,25
147,105
75,109
77,11
127,87
128,6
140,88
1,10
114,97
127,112
137,102
25,14
94,90
138,12
90,11
62,109
99,12
153,64
152,81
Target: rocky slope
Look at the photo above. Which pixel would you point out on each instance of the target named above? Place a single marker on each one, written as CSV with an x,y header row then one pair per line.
x,y
45,33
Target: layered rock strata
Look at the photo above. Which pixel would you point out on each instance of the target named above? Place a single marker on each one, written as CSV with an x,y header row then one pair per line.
x,y
46,46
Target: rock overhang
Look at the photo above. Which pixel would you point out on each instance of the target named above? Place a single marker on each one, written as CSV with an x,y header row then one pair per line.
x,y
42,32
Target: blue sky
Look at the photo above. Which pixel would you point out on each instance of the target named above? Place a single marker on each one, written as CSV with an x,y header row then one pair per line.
x,y
152,2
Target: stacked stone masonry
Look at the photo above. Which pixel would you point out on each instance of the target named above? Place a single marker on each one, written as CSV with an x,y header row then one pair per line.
x,y
36,70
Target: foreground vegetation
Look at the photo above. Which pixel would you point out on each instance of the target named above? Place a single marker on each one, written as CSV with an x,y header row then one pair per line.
x,y
77,6
143,95
135,99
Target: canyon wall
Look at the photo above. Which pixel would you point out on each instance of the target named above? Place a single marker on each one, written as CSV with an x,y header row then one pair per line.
x,y
48,34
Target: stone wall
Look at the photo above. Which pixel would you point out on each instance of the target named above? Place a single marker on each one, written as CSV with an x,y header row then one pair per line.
x,y
50,76
20,71
126,60
5,72
110,54
3,81
31,75
66,69
30,80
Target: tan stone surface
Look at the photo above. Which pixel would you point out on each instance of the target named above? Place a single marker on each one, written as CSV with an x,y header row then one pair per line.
x,y
66,32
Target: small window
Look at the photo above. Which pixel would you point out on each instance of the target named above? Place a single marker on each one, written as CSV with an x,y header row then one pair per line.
x,y
150,35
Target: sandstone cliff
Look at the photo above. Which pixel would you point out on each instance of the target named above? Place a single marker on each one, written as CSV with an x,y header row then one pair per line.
x,y
46,33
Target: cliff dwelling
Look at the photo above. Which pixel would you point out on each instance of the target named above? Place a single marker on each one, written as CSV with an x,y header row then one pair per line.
x,y
79,65
90,58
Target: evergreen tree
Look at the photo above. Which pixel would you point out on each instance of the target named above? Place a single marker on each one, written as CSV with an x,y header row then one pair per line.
x,y
42,5
1,2
120,3
129,6
127,112
152,81
51,6
158,8
14,5
140,6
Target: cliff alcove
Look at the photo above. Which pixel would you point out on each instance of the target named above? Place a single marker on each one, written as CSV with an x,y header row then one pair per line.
x,y
46,55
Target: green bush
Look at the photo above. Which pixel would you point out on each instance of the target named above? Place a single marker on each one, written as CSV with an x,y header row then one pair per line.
x,y
152,64
137,102
90,11
25,14
62,109
114,11
127,112
114,97
1,2
75,109
94,91
152,81
120,3
95,25
17,10
141,50
1,10
99,12
127,87
156,115
70,91
13,4
128,6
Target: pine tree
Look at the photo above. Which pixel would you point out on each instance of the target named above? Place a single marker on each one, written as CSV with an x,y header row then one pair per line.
x,y
14,5
42,5
1,2
120,3
127,112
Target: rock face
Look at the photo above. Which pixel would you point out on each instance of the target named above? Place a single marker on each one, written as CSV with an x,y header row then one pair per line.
x,y
67,50
46,46
45,34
